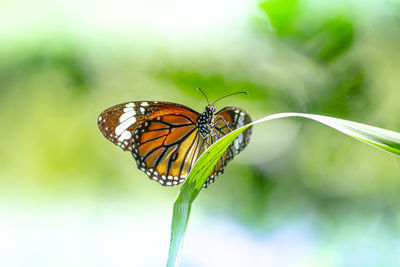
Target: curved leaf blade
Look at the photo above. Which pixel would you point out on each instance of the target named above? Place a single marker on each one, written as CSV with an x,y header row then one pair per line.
x,y
377,137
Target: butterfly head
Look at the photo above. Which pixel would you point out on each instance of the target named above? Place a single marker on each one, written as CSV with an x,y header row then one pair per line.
x,y
209,112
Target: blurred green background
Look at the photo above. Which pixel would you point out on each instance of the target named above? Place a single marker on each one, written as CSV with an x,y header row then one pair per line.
x,y
299,195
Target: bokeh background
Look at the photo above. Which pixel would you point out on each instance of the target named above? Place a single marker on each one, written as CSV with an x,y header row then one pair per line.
x,y
301,194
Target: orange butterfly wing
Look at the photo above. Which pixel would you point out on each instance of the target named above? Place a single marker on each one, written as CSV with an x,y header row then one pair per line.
x,y
166,147
119,122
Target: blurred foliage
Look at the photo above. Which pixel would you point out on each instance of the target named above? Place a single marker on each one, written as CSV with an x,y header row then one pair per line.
x,y
327,41
63,58
215,85
324,38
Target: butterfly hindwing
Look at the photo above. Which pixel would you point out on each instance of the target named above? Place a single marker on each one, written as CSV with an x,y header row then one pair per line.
x,y
226,120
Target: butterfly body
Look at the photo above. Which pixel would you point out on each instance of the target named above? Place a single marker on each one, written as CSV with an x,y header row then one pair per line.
x,y
205,120
167,138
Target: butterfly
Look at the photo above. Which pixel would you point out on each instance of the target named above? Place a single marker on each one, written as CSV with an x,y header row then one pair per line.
x,y
167,138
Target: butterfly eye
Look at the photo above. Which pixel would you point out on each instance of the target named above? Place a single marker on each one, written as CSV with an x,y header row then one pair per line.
x,y
210,109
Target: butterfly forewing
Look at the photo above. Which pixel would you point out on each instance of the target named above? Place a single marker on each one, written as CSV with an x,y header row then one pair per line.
x,y
119,122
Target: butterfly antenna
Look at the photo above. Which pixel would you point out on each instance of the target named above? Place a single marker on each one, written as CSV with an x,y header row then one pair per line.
x,y
229,95
198,88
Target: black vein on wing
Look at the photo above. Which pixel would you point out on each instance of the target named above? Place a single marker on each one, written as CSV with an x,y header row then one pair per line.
x,y
161,156
181,115
153,139
197,149
170,160
169,126
166,146
187,152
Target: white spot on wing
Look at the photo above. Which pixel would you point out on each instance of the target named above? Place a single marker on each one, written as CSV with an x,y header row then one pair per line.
x,y
125,125
142,110
236,144
144,104
100,118
125,135
127,115
127,109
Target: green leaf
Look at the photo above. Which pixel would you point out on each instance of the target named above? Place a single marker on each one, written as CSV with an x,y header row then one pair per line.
x,y
282,15
380,138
